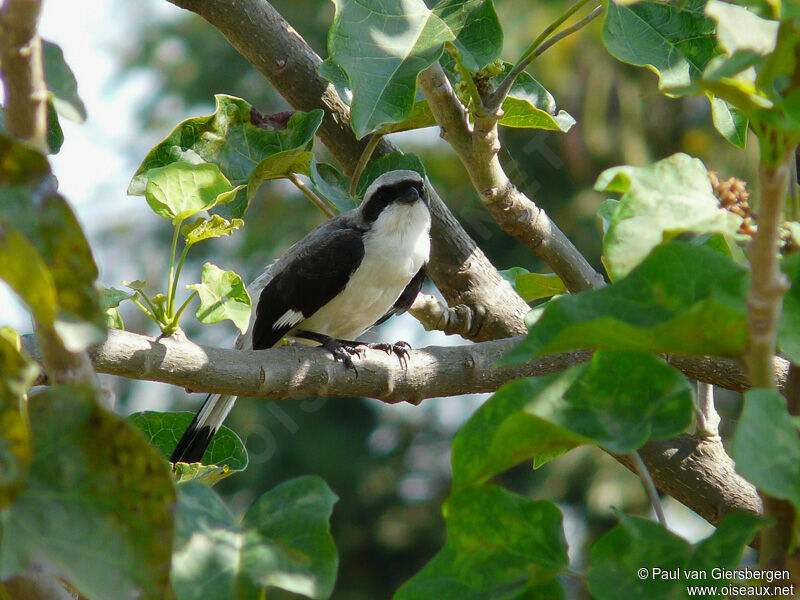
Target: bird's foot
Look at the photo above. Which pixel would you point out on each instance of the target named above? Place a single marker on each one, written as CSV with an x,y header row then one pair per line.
x,y
342,350
399,349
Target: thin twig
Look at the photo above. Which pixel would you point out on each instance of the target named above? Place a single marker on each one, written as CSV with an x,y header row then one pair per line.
x,y
707,416
363,161
309,193
505,86
649,486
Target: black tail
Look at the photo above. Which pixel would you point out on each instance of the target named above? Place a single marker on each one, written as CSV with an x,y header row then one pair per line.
x,y
195,440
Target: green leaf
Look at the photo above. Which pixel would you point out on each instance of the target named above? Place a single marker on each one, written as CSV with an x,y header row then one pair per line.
x,y
766,447
31,202
383,46
61,83
499,545
479,36
739,29
55,136
618,401
110,299
236,138
641,559
419,118
17,374
97,508
533,286
389,162
181,190
683,299
658,202
207,474
222,296
204,229
731,122
673,39
164,429
530,105
789,324
232,205
136,284
334,73
284,541
330,183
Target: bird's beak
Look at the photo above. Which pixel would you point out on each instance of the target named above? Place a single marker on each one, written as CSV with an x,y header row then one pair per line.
x,y
410,196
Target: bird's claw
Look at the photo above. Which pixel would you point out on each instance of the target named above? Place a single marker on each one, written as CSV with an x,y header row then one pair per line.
x,y
400,349
343,352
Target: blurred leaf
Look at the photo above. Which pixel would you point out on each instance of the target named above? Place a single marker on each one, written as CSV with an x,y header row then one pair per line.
x,y
499,545
136,284
222,296
110,299
34,208
383,46
207,474
533,286
204,229
739,29
682,299
17,374
658,202
673,39
98,503
725,547
181,190
61,83
55,136
731,122
284,541
530,105
389,162
164,429
618,401
330,183
605,212
766,447
789,324
479,36
236,138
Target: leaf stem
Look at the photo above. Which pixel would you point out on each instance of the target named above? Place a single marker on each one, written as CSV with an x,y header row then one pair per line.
x,y
174,288
145,311
178,314
550,29
148,302
309,193
649,486
172,268
363,161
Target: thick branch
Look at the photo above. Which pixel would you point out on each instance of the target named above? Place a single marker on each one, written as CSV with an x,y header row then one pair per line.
x,y
518,216
458,267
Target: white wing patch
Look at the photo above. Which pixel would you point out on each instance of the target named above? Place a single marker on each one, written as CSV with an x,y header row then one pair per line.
x,y
289,319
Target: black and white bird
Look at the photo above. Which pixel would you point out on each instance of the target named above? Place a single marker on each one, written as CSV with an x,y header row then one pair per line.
x,y
352,272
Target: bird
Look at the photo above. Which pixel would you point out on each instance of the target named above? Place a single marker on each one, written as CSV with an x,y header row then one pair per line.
x,y
354,271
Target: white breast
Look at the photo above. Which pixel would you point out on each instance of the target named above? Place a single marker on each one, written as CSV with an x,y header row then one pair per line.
x,y
395,248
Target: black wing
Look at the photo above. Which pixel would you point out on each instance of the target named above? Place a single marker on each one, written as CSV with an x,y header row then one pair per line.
x,y
306,278
406,299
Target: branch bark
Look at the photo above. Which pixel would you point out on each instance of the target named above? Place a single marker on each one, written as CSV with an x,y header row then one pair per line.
x,y
458,267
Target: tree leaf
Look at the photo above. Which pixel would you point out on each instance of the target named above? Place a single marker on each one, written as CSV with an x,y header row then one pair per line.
x,y
164,429
739,29
222,296
618,401
330,183
673,39
181,190
17,374
284,541
389,162
499,545
336,75
204,229
207,474
658,202
789,324
383,46
236,138
110,299
530,105
766,447
97,507
731,122
682,299
43,217
533,286
61,83
479,36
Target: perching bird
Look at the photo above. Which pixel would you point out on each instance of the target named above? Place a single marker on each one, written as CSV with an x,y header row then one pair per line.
x,y
350,273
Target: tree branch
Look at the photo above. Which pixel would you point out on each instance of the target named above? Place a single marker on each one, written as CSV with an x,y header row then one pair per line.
x,y
517,215
458,267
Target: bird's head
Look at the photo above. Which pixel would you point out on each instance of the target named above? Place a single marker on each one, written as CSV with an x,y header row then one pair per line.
x,y
394,189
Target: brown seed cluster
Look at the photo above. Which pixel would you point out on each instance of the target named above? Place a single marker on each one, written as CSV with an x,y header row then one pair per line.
x,y
733,196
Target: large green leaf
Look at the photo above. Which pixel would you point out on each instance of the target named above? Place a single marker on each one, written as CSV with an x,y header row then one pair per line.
x,y
223,295
682,299
32,206
530,105
284,541
499,545
641,559
658,202
382,46
674,39
479,37
17,373
181,190
236,138
61,83
766,447
97,507
618,401
164,429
